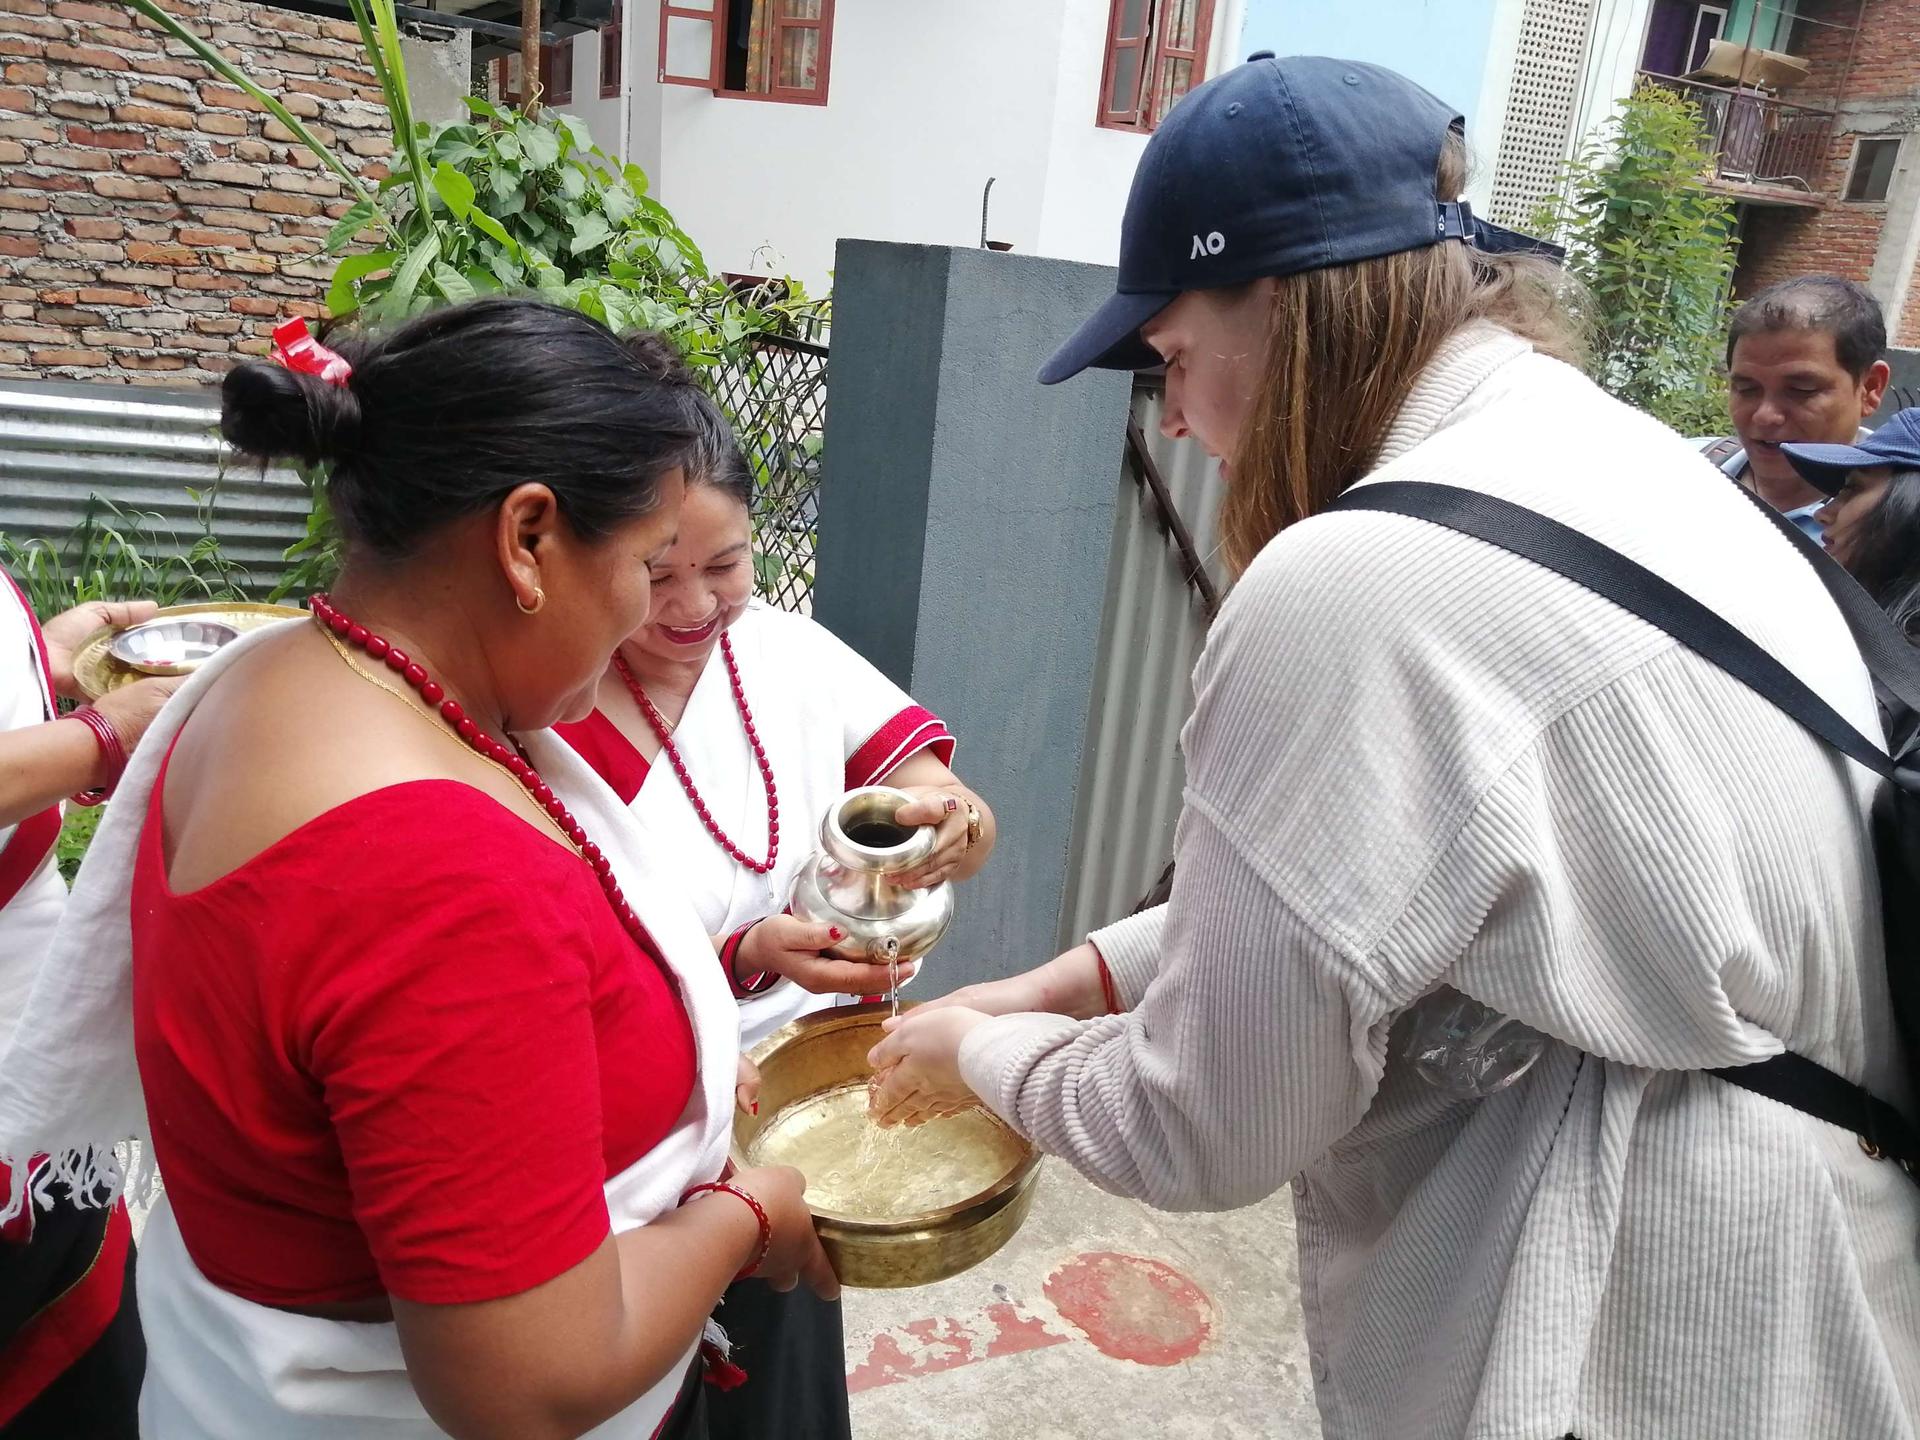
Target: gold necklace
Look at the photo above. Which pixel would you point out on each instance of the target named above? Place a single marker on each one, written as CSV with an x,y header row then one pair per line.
x,y
340,649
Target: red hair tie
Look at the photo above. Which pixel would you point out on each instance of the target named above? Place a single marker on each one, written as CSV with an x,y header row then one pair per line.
x,y
295,348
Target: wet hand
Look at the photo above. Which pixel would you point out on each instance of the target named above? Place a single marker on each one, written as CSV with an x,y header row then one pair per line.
x,y
917,1065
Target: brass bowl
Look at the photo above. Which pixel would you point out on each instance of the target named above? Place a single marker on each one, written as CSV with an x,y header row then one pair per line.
x,y
97,669
917,1204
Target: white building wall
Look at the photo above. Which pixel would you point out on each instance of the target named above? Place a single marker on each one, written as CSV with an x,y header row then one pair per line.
x,y
926,102
1090,169
603,116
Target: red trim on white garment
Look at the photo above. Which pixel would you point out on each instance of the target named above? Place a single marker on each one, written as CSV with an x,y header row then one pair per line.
x,y
914,729
47,1346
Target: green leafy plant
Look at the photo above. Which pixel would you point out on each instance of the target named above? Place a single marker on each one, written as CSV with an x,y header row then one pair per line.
x,y
507,202
520,203
1653,249
314,559
76,834
117,554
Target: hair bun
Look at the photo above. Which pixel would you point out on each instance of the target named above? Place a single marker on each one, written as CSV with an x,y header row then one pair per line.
x,y
657,357
273,412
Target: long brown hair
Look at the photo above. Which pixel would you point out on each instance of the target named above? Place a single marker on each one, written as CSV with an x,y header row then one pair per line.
x,y
1343,350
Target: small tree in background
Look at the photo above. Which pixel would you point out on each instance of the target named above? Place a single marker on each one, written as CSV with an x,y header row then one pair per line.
x,y
1653,249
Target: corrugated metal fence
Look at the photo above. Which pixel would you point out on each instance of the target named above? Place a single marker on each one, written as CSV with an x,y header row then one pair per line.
x,y
1155,626
142,449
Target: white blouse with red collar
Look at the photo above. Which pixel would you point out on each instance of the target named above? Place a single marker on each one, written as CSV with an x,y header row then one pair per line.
x,y
829,721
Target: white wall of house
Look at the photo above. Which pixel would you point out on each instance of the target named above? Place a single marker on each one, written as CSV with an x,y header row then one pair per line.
x,y
926,103
604,116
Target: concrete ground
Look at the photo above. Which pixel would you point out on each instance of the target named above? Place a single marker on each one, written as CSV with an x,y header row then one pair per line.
x,y
1100,1318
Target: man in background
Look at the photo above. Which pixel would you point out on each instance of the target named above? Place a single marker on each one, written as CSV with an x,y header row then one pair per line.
x,y
1806,363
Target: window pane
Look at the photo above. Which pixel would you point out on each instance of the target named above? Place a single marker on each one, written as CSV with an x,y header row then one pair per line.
x,y
689,47
1124,96
1873,170
1176,78
1182,24
1133,19
800,9
693,4
799,59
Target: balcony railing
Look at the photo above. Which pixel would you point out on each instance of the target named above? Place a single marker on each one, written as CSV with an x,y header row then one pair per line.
x,y
1758,141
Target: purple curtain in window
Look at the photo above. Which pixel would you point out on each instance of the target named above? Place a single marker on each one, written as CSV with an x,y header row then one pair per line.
x,y
1669,29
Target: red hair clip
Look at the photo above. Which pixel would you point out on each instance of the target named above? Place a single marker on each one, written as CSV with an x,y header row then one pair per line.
x,y
295,348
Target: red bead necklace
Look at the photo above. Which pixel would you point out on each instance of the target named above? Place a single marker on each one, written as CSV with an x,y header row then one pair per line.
x,y
664,732
511,758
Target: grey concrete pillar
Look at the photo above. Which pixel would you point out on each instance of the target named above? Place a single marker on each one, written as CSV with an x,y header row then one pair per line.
x,y
966,517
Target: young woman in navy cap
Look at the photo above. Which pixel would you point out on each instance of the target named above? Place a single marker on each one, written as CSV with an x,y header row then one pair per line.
x,y
1478,874
1871,524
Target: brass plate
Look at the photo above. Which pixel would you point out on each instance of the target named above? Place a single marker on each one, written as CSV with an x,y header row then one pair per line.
x,y
96,671
894,1207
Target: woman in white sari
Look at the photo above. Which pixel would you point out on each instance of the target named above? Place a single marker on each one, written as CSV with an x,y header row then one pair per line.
x,y
730,727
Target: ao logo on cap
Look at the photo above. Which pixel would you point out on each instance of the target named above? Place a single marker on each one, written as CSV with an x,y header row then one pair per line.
x,y
1214,243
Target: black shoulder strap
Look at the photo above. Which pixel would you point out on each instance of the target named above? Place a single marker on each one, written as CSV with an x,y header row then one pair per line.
x,y
1789,1078
1890,656
1631,586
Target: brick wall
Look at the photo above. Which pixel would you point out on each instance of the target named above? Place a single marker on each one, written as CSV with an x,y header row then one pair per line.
x,y
1871,77
154,222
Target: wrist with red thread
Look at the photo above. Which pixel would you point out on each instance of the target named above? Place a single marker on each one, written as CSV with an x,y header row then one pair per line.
x,y
1109,992
723,1187
113,754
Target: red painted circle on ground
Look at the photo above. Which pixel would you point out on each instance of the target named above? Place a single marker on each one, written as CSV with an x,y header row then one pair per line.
x,y
1133,1308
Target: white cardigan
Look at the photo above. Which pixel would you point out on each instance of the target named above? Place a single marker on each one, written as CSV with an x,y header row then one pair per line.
x,y
1416,759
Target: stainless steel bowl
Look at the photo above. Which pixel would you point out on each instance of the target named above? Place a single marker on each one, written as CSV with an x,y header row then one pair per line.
x,y
170,646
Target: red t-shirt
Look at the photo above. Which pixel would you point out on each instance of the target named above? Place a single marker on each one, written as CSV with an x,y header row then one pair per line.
x,y
399,1051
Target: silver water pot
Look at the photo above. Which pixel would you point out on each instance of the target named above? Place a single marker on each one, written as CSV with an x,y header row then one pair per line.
x,y
849,882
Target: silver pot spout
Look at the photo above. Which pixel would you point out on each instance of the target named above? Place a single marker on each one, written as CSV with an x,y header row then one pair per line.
x,y
851,881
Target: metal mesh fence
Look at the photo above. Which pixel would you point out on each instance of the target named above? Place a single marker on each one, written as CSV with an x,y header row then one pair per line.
x,y
776,397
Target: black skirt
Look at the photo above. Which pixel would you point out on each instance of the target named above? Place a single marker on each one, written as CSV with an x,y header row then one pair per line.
x,y
98,1396
792,1347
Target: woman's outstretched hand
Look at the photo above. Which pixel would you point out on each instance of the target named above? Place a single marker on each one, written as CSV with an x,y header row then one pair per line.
x,y
917,1065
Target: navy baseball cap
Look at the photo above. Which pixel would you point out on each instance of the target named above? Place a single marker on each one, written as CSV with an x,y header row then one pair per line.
x,y
1826,467
1276,167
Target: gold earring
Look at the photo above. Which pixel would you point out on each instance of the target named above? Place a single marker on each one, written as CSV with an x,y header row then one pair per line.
x,y
539,599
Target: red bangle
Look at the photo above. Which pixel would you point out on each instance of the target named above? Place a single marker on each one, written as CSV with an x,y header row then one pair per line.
x,y
111,750
757,983
722,1187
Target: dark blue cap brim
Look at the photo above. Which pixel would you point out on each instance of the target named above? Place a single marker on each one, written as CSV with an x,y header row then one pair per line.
x,y
1110,339
1826,467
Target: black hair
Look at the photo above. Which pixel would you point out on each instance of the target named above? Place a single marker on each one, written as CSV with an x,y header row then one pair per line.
x,y
717,458
1844,309
451,410
1885,554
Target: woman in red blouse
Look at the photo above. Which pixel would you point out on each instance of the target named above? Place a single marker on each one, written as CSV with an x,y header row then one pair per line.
x,y
429,1056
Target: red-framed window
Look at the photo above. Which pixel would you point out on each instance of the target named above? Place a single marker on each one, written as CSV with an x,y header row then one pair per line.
x,y
1156,53
612,52
749,49
556,75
